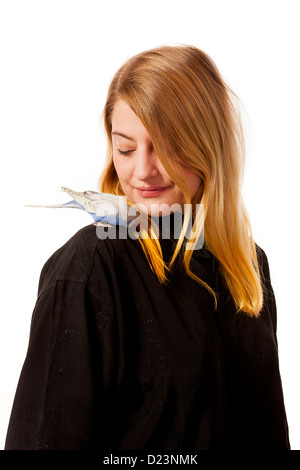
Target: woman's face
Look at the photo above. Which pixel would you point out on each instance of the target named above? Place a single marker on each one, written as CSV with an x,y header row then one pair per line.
x,y
142,176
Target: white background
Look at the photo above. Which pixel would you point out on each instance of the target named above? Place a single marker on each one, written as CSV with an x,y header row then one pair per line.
x,y
57,59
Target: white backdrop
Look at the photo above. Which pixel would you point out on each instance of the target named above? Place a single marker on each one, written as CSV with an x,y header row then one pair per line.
x,y
57,59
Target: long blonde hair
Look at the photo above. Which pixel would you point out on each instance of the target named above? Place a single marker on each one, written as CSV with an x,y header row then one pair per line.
x,y
191,116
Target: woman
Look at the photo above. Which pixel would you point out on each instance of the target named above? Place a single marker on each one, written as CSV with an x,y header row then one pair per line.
x,y
145,343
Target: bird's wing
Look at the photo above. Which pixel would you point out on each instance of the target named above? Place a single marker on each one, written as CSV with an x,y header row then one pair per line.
x,y
100,204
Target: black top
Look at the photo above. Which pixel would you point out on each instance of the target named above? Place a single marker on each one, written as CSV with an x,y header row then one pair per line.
x,y
117,361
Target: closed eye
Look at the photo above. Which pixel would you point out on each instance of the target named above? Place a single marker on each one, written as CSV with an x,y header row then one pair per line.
x,y
127,152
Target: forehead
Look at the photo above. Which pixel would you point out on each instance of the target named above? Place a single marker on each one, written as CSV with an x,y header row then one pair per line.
x,y
125,121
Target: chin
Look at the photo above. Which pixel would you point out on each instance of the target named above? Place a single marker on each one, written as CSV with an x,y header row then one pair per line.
x,y
158,208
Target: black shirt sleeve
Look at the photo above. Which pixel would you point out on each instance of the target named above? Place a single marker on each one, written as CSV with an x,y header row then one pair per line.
x,y
55,406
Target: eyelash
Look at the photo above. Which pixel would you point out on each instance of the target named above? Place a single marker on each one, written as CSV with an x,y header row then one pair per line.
x,y
128,152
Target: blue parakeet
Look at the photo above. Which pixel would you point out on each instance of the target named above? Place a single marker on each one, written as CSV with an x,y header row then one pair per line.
x,y
105,208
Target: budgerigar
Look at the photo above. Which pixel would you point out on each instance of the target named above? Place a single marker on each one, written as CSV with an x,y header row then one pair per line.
x,y
105,208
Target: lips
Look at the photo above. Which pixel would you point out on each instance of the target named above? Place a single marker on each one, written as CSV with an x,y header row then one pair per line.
x,y
151,191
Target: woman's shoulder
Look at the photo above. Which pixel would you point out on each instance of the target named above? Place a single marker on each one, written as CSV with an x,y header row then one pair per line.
x,y
74,261
263,262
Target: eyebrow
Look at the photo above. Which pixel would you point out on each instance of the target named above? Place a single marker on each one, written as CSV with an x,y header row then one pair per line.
x,y
123,135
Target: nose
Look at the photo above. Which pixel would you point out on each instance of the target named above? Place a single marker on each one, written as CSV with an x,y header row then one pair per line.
x,y
146,165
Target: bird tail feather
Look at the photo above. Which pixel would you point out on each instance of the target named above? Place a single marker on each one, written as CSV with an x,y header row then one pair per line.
x,y
51,205
72,204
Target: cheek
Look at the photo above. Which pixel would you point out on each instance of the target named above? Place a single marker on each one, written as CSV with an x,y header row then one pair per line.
x,y
193,180
120,168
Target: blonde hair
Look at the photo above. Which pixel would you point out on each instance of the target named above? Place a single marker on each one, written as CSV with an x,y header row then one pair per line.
x,y
192,118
